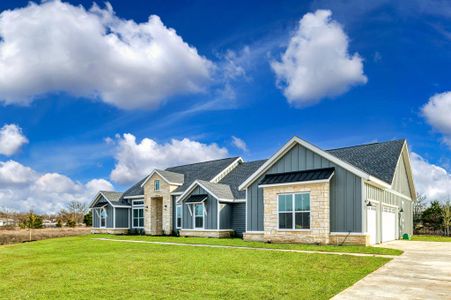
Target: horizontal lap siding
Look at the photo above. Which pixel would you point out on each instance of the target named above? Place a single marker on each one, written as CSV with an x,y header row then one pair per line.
x,y
385,197
345,191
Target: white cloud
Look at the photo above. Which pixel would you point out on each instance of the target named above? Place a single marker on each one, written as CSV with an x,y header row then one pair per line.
x,y
438,114
55,46
23,189
317,64
430,180
11,139
135,160
239,143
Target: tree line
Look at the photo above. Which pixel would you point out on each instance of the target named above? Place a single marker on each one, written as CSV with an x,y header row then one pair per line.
x,y
431,217
74,214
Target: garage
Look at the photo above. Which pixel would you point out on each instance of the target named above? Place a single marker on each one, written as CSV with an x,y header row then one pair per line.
x,y
388,223
372,224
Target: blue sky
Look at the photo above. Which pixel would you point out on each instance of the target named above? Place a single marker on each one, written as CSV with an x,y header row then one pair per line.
x,y
75,134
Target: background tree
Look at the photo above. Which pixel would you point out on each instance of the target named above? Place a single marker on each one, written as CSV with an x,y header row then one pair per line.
x,y
446,216
418,207
31,221
432,216
88,219
78,210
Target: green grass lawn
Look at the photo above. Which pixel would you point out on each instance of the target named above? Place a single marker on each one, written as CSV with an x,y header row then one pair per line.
x,y
83,268
431,238
239,242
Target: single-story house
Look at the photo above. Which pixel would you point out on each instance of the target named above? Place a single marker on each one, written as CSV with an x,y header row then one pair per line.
x,y
355,195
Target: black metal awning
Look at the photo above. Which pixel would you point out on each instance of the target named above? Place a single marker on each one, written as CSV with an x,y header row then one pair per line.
x,y
299,176
196,198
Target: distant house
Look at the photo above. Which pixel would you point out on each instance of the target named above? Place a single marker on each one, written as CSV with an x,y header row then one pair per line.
x,y
356,195
7,222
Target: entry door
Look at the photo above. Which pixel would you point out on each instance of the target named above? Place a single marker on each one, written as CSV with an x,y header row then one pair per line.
x,y
388,223
371,224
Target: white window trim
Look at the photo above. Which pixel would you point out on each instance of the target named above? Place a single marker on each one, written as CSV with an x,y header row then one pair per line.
x,y
203,216
137,205
293,212
181,216
133,217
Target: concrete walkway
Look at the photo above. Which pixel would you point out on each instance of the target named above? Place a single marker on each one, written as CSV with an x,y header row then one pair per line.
x,y
422,272
245,248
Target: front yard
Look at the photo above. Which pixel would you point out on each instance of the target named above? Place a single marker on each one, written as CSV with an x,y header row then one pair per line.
x,y
237,242
84,268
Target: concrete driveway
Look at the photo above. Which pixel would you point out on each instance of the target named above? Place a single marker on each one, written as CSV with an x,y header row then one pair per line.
x,y
422,272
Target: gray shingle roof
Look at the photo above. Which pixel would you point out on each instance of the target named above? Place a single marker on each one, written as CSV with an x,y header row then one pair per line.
x,y
377,159
135,190
171,176
238,175
114,197
203,171
221,191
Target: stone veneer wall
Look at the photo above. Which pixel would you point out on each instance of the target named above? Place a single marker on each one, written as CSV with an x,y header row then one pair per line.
x,y
207,233
349,239
109,230
319,214
165,194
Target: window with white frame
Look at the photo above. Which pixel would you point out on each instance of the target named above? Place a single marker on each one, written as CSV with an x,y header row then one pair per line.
x,y
178,216
294,211
138,217
199,215
103,216
138,213
157,185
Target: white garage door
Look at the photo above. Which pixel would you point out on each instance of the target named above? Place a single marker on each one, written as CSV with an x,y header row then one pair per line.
x,y
371,224
388,223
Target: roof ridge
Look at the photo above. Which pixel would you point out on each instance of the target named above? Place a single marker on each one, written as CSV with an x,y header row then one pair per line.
x,y
200,162
368,144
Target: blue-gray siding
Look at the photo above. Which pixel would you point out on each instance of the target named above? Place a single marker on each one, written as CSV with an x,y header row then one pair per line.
x,y
211,217
225,216
345,191
109,219
239,218
122,217
400,180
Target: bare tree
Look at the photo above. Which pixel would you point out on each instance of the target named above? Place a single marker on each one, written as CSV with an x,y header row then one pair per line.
x,y
446,214
76,210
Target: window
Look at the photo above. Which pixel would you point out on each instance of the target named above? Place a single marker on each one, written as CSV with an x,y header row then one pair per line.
x,y
138,217
103,216
178,215
137,202
157,185
294,211
198,216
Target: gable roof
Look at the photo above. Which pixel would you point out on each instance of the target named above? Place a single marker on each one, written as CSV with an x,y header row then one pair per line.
x,y
113,198
206,170
170,177
239,174
217,190
295,141
377,159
